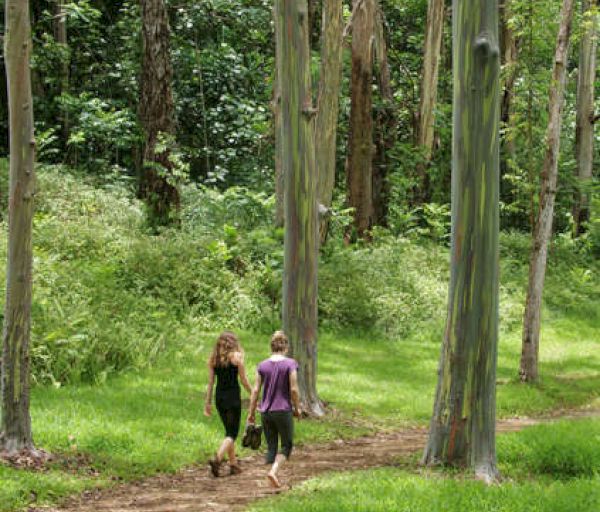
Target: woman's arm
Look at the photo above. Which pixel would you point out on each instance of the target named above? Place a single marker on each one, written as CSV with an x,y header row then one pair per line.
x,y
238,360
295,392
209,391
254,398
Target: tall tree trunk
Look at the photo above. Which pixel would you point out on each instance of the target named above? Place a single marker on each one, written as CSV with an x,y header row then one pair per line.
x,y
385,123
301,241
462,429
434,31
328,104
16,421
543,226
359,172
584,134
156,114
60,36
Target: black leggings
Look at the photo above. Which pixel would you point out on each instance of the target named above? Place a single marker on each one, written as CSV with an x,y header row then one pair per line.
x,y
230,416
278,424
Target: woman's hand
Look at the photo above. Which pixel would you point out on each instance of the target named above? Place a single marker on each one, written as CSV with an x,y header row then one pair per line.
x,y
297,413
251,419
207,409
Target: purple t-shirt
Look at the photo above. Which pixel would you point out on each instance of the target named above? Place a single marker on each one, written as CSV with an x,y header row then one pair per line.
x,y
275,376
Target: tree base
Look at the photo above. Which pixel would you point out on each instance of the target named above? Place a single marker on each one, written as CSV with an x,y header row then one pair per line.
x,y
314,409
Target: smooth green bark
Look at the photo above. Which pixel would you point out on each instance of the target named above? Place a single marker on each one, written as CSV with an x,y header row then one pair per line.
x,y
16,421
301,243
463,424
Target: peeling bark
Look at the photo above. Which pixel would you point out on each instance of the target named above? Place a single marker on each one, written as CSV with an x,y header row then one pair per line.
x,y
16,421
359,169
543,226
156,114
301,242
462,431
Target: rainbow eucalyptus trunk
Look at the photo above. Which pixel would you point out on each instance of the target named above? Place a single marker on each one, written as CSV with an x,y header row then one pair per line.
x,y
584,133
156,114
16,421
328,104
462,429
434,31
543,227
301,242
359,169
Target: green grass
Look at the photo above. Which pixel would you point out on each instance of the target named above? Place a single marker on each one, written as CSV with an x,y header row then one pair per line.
x,y
395,490
547,468
150,421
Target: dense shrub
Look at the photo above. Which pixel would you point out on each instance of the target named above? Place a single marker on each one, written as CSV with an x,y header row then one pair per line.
x,y
108,295
565,449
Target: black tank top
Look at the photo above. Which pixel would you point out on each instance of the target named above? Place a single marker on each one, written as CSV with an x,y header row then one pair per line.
x,y
228,387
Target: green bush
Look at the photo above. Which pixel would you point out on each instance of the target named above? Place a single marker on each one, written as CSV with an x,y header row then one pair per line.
x,y
565,449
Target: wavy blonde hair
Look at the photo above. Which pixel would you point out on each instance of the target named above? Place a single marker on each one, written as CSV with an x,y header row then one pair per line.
x,y
227,343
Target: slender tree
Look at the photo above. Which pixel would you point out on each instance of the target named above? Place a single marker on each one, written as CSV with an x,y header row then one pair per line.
x,y
434,30
156,113
584,133
543,225
385,123
511,69
462,429
359,169
301,241
328,103
15,425
60,36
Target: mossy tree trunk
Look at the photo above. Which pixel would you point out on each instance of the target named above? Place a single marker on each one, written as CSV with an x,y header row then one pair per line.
x,y
328,104
434,30
156,114
301,241
543,226
462,429
16,421
584,132
359,168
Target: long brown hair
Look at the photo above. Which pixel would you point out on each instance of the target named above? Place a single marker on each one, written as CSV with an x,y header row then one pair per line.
x,y
226,344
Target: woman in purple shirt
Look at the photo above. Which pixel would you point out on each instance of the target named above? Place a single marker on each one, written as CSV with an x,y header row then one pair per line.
x,y
280,400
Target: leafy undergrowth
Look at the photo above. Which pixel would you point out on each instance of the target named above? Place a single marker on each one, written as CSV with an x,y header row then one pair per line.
x,y
547,468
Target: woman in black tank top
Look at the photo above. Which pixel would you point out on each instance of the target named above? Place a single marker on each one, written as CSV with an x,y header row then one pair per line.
x,y
227,363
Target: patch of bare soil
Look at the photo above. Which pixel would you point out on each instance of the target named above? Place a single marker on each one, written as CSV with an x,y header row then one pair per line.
x,y
193,490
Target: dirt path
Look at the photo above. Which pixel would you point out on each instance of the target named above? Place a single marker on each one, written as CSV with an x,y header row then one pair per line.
x,y
193,490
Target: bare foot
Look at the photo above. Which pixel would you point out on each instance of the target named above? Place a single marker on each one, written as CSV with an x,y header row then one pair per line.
x,y
274,481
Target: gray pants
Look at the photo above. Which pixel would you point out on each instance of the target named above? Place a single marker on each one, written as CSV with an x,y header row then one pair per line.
x,y
278,424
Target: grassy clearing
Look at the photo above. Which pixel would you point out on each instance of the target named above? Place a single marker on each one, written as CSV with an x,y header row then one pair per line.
x,y
150,421
548,468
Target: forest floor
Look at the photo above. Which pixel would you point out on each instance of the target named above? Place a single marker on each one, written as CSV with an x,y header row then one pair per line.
x,y
194,490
